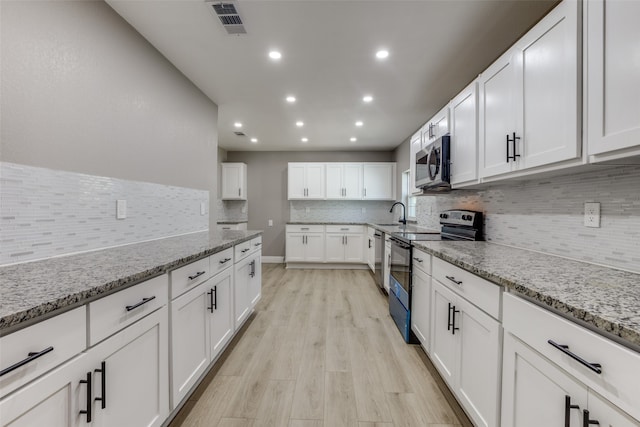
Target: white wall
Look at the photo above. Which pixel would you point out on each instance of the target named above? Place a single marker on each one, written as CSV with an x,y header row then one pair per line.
x,y
84,92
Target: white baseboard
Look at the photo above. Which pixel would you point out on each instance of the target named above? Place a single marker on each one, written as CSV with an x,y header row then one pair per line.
x,y
273,260
327,266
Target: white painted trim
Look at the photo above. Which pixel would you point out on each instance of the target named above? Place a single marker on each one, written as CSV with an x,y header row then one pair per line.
x,y
272,259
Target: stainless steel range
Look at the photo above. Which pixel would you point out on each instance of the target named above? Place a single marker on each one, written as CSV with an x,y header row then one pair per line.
x,y
455,225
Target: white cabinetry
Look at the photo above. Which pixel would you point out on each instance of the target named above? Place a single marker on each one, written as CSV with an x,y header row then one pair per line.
x,y
421,297
379,181
306,181
234,181
613,78
386,261
304,243
436,127
464,136
529,98
466,341
414,147
344,243
344,181
371,248
247,285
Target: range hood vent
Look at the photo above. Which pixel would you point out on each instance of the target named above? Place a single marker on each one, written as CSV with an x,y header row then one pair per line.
x,y
228,15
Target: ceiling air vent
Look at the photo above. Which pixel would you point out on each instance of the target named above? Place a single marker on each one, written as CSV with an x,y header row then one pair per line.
x,y
228,16
240,133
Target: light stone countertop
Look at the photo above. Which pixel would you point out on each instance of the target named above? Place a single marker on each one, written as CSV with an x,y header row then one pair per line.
x,y
605,299
232,221
33,291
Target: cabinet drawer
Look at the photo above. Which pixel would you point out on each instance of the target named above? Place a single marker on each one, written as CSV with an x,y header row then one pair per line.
x,y
57,339
241,250
117,311
618,381
478,291
305,228
422,261
221,260
256,243
187,277
344,228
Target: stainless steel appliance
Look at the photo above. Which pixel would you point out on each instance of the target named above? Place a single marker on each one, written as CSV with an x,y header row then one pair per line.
x,y
455,225
433,164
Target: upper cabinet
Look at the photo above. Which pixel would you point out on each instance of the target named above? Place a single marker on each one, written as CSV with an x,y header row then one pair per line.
x,y
344,180
306,181
415,146
379,181
464,136
530,98
234,181
613,79
436,127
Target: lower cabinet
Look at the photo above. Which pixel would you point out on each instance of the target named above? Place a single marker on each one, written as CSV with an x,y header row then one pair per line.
x,y
344,247
421,302
247,287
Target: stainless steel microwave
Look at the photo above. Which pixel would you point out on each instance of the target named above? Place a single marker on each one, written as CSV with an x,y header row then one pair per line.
x,y
433,165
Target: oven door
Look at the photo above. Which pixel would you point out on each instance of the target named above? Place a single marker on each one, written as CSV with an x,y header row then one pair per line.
x,y
400,271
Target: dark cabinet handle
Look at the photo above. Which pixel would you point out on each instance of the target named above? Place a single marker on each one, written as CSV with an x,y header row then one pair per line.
x,y
344,229
213,295
87,412
449,318
586,421
31,356
418,259
223,261
103,385
595,367
453,321
304,228
252,270
567,410
453,279
143,302
513,141
198,274
369,243
257,244
245,250
239,192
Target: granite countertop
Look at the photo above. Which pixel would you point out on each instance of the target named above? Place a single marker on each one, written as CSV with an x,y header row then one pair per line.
x,y
326,223
32,291
605,299
233,222
385,228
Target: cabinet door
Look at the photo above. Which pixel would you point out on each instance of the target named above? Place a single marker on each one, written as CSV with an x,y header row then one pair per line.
x,y
378,181
353,248
421,306
613,75
499,108
352,181
334,247
464,136
440,123
314,247
136,374
221,323
189,340
607,414
234,181
315,181
242,307
255,280
415,147
334,181
444,343
295,249
534,390
53,400
296,187
479,369
548,60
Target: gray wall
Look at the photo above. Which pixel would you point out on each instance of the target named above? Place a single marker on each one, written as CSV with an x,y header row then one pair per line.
x,y
267,187
84,92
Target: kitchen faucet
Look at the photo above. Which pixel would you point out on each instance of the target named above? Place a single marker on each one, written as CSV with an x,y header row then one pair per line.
x,y
404,212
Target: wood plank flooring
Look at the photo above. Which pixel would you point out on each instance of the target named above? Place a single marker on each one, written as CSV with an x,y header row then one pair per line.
x,y
320,351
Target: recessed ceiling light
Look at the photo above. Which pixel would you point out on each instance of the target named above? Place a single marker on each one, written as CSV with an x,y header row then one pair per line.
x,y
359,123
367,98
275,55
238,124
291,99
305,140
353,139
254,140
382,54
299,123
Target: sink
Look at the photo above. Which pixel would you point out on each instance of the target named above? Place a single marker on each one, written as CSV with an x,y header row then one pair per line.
x,y
389,225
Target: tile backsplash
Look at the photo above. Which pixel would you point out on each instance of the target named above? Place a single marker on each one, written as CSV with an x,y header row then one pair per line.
x,y
232,210
342,210
46,212
547,215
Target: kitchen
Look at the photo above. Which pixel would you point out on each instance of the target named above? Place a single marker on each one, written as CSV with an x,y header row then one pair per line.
x,y
94,114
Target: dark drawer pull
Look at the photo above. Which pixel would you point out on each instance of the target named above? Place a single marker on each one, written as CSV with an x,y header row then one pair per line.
x,y
595,367
223,261
198,274
257,244
245,250
31,357
418,259
144,301
453,279
568,406
103,384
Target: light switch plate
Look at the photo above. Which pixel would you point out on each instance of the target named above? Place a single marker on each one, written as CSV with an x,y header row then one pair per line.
x,y
592,214
121,209
270,223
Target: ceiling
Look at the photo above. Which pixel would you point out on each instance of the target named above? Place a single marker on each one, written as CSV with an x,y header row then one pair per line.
x,y
328,63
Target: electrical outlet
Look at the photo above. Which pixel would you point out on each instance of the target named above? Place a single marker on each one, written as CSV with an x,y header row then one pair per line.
x,y
270,223
121,209
592,214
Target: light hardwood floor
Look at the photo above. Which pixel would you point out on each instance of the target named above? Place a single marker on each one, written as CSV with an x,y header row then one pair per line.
x,y
321,351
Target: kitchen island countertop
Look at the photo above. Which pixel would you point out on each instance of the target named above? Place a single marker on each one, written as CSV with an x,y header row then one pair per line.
x,y
33,291
605,299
